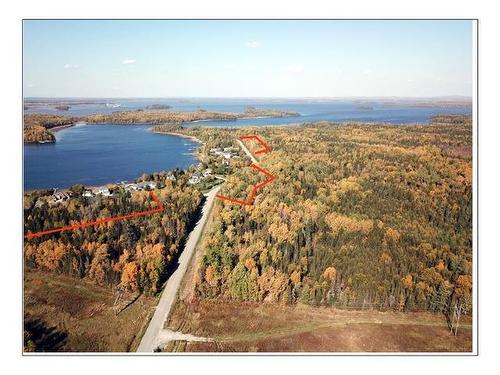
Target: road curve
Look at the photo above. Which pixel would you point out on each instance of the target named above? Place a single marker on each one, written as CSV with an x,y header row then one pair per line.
x,y
152,338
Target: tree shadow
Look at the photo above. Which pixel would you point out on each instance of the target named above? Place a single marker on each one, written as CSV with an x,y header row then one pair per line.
x,y
172,267
39,337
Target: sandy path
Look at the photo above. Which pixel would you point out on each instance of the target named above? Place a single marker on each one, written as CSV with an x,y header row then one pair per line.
x,y
153,336
249,154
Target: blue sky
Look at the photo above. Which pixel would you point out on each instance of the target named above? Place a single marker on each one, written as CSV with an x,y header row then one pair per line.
x,y
247,58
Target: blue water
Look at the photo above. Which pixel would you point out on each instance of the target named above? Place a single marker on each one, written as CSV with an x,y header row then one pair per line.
x,y
100,154
346,113
312,110
94,155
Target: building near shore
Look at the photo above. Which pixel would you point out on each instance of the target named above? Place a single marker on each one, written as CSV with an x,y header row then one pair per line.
x,y
195,179
141,186
226,153
102,190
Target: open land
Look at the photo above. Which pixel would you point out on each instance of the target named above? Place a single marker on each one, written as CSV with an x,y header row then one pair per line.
x,y
64,313
257,327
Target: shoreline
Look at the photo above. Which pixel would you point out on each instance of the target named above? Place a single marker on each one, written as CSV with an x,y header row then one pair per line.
x,y
196,156
190,137
57,128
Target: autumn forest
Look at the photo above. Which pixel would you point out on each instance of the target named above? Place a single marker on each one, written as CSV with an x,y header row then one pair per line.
x,y
360,217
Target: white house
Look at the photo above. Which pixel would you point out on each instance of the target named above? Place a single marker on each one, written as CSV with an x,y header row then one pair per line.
x,y
102,190
195,179
145,184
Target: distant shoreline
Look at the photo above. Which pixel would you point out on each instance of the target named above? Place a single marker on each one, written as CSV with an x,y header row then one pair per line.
x,y
57,128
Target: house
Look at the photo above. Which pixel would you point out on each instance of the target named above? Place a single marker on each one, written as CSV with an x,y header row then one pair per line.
x,y
141,186
226,153
61,196
207,172
102,190
87,194
132,187
195,179
146,184
171,177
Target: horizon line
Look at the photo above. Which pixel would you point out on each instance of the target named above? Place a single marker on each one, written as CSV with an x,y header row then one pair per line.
x,y
255,97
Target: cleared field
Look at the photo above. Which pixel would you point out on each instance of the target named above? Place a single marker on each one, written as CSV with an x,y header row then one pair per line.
x,y
253,327
66,314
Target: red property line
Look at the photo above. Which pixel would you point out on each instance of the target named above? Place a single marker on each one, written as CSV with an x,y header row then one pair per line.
x,y
251,198
265,148
159,209
270,177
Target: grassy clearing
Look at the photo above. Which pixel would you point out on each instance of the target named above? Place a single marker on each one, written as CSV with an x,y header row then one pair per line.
x,y
67,314
253,327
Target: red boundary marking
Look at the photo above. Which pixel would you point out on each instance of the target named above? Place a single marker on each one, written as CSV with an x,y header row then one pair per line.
x,y
86,224
251,198
270,177
265,148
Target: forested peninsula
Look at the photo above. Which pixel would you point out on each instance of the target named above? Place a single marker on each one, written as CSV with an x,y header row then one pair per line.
x,y
160,117
37,126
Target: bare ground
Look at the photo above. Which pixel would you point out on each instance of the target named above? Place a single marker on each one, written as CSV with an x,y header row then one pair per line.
x,y
253,327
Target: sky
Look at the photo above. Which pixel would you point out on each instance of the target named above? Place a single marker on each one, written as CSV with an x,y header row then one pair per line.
x,y
287,58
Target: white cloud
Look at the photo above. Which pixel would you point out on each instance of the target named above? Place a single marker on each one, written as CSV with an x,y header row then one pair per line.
x,y
253,44
228,66
367,72
128,61
71,66
30,85
410,80
295,68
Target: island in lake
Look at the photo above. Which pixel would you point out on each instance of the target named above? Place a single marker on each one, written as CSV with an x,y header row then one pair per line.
x,y
62,107
158,106
37,126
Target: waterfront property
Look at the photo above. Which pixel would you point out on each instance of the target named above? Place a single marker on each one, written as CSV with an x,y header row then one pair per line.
x,y
145,185
61,196
195,178
226,152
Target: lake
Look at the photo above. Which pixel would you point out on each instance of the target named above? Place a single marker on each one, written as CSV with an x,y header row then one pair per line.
x,y
100,154
312,110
